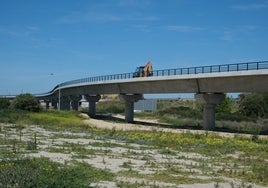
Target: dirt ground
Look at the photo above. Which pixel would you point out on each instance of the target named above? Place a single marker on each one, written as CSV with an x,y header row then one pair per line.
x,y
132,163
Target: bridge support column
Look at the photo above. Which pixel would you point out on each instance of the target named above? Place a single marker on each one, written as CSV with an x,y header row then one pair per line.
x,y
92,99
209,100
129,105
54,103
75,101
47,104
65,103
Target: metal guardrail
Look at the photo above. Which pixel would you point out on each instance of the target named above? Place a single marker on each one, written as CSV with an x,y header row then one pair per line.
x,y
167,72
172,72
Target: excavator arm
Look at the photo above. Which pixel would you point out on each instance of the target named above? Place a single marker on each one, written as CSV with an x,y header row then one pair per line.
x,y
148,69
144,71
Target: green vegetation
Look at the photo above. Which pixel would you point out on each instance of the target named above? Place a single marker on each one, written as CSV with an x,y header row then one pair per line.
x,y
254,105
4,103
41,172
142,157
26,102
53,119
178,158
110,107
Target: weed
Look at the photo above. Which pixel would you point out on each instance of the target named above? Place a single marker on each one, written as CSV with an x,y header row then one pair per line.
x,y
41,172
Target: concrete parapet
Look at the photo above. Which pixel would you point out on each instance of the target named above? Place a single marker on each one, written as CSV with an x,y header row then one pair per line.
x,y
92,99
129,105
209,100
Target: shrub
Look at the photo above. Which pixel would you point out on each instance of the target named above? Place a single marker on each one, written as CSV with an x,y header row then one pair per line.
x,y
41,172
226,106
26,102
4,103
110,106
181,112
254,105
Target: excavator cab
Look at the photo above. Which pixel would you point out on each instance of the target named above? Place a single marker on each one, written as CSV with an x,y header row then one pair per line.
x,y
144,71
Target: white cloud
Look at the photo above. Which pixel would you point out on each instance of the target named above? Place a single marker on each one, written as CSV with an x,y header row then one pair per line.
x,y
227,36
99,16
184,28
141,27
26,31
253,6
134,3
231,34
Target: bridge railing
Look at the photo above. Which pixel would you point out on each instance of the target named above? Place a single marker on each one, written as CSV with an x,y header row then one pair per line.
x,y
178,71
167,72
213,69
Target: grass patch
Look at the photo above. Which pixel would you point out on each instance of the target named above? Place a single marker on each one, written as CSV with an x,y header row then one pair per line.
x,y
246,158
240,157
117,107
41,172
53,120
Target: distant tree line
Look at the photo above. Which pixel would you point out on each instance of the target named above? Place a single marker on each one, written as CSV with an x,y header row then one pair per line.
x,y
22,102
252,105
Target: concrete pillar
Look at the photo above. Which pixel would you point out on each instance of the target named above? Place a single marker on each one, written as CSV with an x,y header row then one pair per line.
x,y
47,104
92,99
65,103
75,101
209,100
54,103
129,105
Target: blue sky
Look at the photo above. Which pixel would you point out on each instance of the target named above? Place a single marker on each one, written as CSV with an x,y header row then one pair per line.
x,y
46,42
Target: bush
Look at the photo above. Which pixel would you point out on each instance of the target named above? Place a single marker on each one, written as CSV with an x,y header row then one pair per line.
x,y
254,105
4,103
41,172
110,106
226,106
26,102
180,112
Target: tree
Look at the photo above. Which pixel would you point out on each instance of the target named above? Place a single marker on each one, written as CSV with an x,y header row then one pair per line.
x,y
26,102
4,103
254,105
226,106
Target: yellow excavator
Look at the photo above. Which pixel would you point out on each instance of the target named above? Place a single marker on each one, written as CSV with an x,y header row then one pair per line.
x,y
144,71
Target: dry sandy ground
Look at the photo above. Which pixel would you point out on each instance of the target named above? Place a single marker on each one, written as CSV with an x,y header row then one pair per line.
x,y
120,157
128,126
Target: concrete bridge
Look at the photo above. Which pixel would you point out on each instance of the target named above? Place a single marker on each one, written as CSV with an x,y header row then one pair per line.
x,y
208,82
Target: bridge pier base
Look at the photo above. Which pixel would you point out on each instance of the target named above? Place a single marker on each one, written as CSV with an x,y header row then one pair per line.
x,y
92,99
129,105
75,101
209,100
54,103
65,103
47,104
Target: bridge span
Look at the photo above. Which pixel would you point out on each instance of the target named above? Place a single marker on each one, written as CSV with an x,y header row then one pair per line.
x,y
208,82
